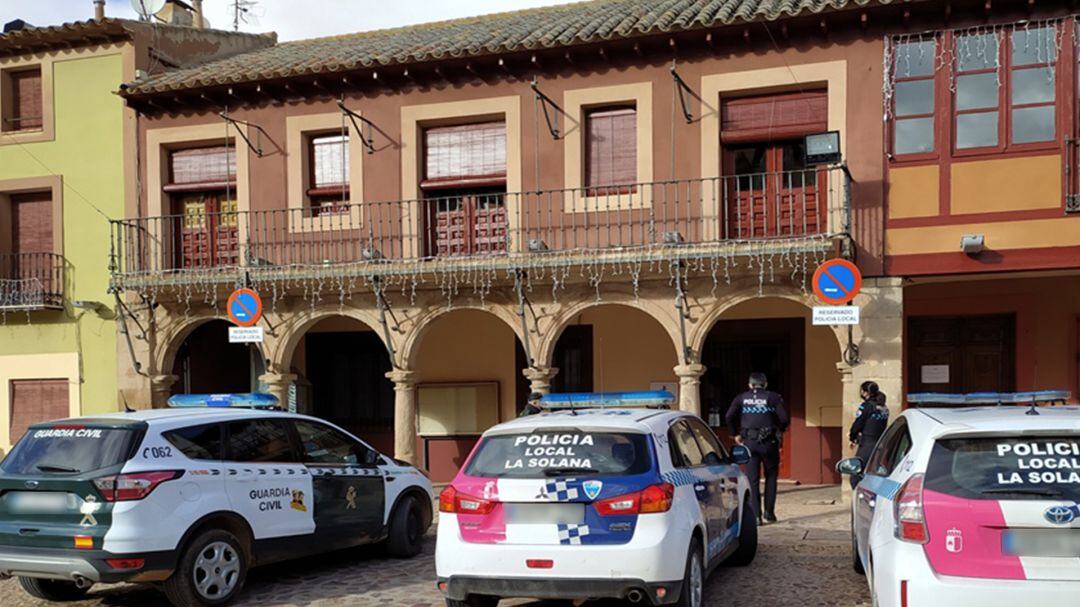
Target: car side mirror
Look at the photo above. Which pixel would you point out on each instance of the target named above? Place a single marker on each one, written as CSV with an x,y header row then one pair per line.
x,y
740,454
850,466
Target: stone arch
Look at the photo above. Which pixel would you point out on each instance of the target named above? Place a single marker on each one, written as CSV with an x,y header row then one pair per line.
x,y
413,339
172,337
661,312
282,355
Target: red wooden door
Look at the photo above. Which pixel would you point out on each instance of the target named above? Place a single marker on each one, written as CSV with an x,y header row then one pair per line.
x,y
208,231
770,192
470,224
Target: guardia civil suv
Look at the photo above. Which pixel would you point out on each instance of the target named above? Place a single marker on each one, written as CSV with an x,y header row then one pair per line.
x,y
602,496
192,497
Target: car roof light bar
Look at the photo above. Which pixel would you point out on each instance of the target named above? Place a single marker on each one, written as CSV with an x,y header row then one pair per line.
x,y
255,400
647,399
1039,397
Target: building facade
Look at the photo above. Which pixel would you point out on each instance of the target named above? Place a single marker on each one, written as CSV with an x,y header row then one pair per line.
x,y
602,196
66,147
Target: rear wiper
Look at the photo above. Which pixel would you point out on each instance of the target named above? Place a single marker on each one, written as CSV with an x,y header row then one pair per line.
x,y
49,468
1043,492
565,471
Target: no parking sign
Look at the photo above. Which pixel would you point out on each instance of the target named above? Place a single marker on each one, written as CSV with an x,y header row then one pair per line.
x,y
245,307
837,281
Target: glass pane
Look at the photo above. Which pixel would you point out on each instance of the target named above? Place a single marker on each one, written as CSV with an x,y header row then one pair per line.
x,y
1032,85
1035,45
914,97
324,445
977,51
976,91
977,130
914,136
262,440
1031,124
915,58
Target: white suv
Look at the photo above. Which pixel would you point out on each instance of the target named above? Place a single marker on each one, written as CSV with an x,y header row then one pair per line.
x,y
192,498
972,505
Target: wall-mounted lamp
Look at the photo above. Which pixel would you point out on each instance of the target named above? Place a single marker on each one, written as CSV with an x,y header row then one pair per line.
x,y
823,148
972,244
88,305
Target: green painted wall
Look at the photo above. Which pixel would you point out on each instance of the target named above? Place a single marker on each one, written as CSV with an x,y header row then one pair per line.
x,y
88,153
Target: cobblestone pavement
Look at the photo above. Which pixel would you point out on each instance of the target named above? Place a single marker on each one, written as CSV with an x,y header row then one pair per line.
x,y
804,560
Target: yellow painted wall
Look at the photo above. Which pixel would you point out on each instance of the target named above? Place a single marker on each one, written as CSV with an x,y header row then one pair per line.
x,y
630,349
1008,184
1000,235
88,153
824,390
913,192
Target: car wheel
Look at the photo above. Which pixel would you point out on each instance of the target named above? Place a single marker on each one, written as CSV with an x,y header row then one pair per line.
x,y
747,549
474,600
211,571
52,590
406,537
693,589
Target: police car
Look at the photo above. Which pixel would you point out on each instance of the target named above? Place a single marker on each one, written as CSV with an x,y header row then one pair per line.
x,y
600,496
973,505
192,497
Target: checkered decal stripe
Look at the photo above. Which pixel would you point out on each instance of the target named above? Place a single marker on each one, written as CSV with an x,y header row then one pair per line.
x,y
570,535
562,490
680,477
346,472
749,409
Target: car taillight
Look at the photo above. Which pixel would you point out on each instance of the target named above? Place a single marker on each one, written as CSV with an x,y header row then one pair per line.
x,y
132,486
125,564
908,512
450,500
654,498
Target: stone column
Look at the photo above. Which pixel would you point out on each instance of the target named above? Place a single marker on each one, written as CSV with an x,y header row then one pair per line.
x,y
690,387
540,378
161,390
278,385
405,422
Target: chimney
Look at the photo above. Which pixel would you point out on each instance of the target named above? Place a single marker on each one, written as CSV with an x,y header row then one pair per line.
x,y
198,21
99,10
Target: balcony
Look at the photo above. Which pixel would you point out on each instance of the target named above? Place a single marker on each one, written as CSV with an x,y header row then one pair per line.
x,y
688,218
31,281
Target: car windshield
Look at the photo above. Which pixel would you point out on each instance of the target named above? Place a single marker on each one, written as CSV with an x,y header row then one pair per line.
x,y
561,453
1012,468
69,449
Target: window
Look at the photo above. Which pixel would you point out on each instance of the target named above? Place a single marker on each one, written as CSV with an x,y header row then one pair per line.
x,y
611,150
43,450
197,442
22,100
260,441
202,186
533,454
328,183
466,155
1032,90
322,444
37,400
913,97
714,453
685,452
890,450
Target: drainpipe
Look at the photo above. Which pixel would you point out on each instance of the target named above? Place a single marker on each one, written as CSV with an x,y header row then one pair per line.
x,y
198,21
99,10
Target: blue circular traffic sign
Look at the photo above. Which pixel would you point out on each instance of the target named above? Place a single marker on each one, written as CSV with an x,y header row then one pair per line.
x,y
245,307
837,281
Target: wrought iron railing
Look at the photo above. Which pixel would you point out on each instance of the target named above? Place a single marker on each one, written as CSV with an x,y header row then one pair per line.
x,y
31,281
485,224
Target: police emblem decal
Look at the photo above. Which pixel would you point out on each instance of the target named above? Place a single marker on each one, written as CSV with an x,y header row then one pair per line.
x,y
954,540
592,488
88,508
350,498
298,501
1060,515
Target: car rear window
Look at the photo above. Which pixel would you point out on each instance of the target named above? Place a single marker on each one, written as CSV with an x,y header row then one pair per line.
x,y
1014,468
560,453
197,442
70,449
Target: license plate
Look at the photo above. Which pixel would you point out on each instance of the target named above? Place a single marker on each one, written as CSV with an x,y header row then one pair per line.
x,y
33,502
550,514
1064,543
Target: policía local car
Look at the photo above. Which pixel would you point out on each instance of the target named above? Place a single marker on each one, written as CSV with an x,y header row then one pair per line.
x,y
599,496
972,506
191,498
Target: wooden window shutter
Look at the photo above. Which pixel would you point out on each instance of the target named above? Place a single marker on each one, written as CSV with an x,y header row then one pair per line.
x,y
26,111
465,155
37,400
329,161
611,147
771,117
202,169
31,222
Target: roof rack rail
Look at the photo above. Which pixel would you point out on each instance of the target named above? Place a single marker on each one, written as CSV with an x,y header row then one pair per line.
x,y
646,399
1034,398
255,400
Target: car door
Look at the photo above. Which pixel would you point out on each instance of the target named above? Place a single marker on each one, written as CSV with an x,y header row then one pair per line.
x,y
688,456
348,484
876,486
723,481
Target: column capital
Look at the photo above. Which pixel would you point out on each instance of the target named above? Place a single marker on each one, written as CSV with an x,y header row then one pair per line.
x,y
162,383
689,371
846,371
540,378
404,379
278,379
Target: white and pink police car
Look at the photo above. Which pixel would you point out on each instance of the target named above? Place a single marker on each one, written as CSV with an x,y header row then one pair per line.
x,y
972,505
610,496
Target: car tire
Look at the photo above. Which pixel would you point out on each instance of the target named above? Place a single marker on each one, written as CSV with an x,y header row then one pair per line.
x,y
215,555
856,562
748,540
406,537
693,587
52,590
474,600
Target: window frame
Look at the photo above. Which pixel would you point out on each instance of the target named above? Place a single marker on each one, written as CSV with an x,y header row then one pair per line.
x,y
611,189
290,433
8,75
294,428
677,456
699,429
47,130
222,437
883,452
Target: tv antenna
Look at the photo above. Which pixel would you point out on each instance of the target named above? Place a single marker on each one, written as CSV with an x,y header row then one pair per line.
x,y
146,9
243,13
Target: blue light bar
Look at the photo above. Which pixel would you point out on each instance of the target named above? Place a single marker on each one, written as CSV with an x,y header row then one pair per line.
x,y
990,398
224,401
608,400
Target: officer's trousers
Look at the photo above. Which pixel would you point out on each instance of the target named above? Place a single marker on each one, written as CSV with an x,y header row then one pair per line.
x,y
763,455
864,451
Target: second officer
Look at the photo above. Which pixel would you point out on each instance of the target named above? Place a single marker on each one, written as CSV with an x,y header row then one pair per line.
x,y
757,419
870,422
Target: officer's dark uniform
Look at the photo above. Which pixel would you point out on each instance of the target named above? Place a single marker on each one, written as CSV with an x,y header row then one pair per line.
x,y
870,422
759,417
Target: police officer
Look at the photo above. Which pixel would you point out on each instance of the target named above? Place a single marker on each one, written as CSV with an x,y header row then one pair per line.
x,y
870,422
757,419
532,405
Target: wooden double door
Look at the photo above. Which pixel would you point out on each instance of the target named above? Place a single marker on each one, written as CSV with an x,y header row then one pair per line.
x,y
962,354
207,234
